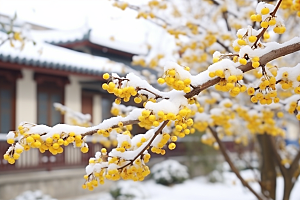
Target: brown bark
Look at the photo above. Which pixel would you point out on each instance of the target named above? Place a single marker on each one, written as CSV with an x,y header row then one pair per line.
x,y
288,186
289,174
263,60
267,168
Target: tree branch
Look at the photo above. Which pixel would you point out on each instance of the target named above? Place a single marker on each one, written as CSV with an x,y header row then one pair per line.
x,y
148,145
125,123
224,46
278,159
233,168
295,163
276,53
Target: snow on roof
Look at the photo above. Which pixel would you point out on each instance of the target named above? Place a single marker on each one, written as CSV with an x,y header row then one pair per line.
x,y
117,41
105,21
50,56
61,36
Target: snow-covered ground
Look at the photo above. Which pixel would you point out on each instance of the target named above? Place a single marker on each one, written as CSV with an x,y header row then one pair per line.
x,y
198,188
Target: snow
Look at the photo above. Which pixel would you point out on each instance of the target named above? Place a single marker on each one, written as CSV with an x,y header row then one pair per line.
x,y
33,195
168,170
199,188
49,54
80,117
59,36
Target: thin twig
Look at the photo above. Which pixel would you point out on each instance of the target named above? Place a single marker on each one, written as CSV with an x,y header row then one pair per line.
x,y
156,95
264,29
4,41
148,145
224,46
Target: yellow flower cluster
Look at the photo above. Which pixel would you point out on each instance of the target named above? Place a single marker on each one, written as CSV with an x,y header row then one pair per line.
x,y
286,4
190,58
115,111
121,5
296,7
145,15
107,143
54,144
286,83
292,6
223,120
228,83
260,124
149,119
269,21
13,155
158,149
121,93
154,61
104,132
208,140
193,27
266,93
124,146
182,126
210,39
172,78
201,125
243,40
292,107
153,3
176,33
255,62
157,4
140,62
136,170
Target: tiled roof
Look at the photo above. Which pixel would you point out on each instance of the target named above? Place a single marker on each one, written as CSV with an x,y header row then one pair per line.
x,y
54,57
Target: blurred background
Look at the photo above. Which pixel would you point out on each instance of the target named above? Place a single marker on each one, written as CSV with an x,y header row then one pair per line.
x,y
70,45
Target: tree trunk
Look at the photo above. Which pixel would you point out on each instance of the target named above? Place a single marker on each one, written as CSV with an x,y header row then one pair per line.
x,y
288,186
268,167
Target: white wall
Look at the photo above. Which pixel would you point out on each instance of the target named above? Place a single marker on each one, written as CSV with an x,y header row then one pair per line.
x,y
26,100
97,109
73,95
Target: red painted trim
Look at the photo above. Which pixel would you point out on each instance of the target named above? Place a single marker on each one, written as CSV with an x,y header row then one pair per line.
x,y
15,66
60,81
10,75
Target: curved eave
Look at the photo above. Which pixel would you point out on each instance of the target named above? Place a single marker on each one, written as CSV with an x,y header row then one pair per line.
x,y
47,67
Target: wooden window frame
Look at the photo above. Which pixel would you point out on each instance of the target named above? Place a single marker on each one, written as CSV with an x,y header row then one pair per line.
x,y
109,97
50,84
87,95
8,80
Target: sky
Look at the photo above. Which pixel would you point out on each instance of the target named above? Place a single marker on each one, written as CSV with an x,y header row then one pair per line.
x,y
106,21
64,14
